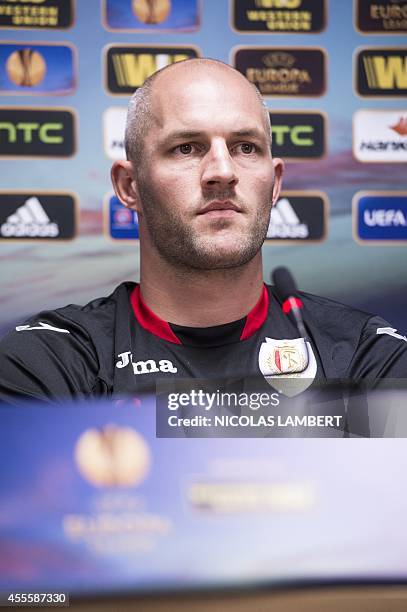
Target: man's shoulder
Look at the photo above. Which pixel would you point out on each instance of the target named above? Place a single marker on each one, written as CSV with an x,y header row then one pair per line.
x,y
326,310
72,329
74,318
97,309
356,344
63,352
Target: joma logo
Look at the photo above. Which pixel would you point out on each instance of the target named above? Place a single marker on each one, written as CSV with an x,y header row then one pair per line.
x,y
145,367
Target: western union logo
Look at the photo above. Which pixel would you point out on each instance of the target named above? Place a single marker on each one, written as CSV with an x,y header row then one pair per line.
x,y
129,67
386,72
382,72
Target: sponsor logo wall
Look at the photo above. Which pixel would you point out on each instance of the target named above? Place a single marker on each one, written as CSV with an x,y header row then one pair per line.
x,y
128,67
32,68
41,14
120,222
299,217
298,135
35,132
283,71
68,69
381,72
380,217
153,16
380,136
381,16
301,16
37,216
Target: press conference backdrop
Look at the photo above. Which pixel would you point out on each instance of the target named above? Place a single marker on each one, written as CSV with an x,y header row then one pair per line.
x,y
334,75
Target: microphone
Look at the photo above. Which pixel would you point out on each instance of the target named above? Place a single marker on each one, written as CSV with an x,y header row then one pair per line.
x,y
286,289
299,378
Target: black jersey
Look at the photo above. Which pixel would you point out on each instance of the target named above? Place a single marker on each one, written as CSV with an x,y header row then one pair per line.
x,y
117,346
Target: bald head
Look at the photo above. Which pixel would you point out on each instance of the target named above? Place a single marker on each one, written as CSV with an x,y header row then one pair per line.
x,y
141,110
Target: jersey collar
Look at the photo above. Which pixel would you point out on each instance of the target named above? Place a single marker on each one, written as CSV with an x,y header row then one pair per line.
x,y
164,330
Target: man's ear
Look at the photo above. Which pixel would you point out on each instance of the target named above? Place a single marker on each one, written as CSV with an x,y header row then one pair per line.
x,y
125,185
278,166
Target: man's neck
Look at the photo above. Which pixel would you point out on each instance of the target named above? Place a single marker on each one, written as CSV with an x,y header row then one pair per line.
x,y
201,298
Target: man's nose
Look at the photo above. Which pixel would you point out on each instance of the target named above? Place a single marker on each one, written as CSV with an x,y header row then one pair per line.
x,y
218,167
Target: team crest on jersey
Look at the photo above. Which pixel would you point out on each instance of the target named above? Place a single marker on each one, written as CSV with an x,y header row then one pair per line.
x,y
287,365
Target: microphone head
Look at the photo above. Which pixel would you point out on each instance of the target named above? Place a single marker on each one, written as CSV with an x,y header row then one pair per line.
x,y
284,283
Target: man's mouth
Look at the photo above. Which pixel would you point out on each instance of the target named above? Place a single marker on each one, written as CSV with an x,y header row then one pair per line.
x,y
220,208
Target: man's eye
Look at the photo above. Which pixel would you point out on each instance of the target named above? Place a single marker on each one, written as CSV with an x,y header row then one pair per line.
x,y
185,149
247,148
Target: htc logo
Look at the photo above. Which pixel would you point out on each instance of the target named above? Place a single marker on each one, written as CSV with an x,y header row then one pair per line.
x,y
299,135
33,132
49,133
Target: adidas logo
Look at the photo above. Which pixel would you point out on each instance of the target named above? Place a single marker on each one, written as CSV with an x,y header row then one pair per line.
x,y
29,221
284,222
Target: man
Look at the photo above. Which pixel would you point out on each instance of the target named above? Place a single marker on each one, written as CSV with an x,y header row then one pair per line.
x,y
200,174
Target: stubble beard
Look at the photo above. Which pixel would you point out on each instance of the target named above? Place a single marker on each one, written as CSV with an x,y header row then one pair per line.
x,y
180,244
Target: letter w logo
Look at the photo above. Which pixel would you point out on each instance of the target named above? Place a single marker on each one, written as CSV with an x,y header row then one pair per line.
x,y
386,73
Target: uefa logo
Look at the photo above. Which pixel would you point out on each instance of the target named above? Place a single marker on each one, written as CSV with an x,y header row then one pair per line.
x,y
380,217
120,223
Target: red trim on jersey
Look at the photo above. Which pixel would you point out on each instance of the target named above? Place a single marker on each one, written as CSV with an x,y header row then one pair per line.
x,y
256,316
149,320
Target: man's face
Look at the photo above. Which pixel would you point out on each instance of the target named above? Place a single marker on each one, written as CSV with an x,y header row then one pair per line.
x,y
206,178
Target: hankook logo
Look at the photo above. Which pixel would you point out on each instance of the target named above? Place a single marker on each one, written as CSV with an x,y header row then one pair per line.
x,y
34,132
298,135
37,216
282,71
381,72
114,123
128,67
274,16
401,126
47,14
381,16
299,216
380,136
